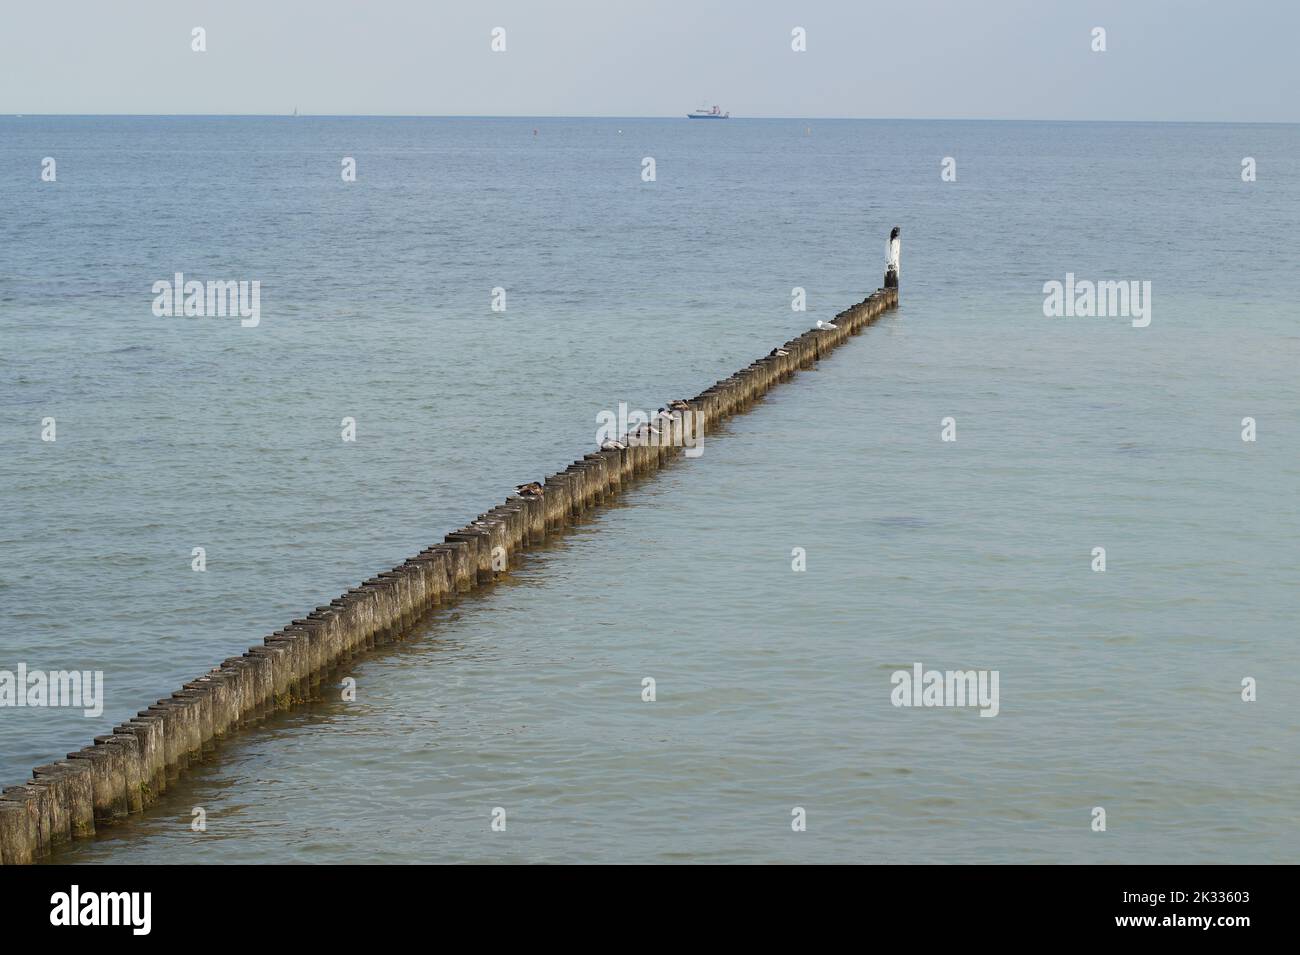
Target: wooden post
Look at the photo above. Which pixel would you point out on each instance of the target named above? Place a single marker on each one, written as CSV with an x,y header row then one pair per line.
x,y
891,261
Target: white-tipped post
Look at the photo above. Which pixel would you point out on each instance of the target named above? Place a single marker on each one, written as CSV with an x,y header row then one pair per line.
x,y
891,258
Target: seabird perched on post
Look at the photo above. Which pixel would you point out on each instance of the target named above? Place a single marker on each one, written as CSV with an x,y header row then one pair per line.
x,y
891,258
531,489
826,326
777,353
611,445
679,405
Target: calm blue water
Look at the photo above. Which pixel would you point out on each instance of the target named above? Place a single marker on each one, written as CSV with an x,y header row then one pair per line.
x,y
1119,690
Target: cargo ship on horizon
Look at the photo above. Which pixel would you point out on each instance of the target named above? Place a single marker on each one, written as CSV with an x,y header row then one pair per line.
x,y
706,113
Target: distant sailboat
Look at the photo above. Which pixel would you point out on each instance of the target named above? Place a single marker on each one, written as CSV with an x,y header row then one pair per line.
x,y
295,111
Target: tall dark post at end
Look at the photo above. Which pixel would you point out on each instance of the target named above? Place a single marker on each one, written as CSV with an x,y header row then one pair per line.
x,y
891,259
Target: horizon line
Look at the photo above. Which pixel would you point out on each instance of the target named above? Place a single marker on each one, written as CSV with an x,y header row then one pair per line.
x,y
553,116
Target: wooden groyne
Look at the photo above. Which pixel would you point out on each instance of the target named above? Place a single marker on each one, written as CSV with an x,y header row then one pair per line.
x,y
131,768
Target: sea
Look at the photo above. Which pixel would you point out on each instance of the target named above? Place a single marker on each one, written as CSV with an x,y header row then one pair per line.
x,y
932,495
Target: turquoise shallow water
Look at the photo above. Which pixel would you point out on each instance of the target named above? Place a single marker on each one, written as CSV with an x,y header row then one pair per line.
x,y
1118,690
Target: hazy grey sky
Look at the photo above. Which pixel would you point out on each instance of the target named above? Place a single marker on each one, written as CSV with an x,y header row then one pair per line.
x,y
1016,59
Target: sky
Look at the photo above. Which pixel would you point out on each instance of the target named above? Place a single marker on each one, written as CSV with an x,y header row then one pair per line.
x,y
1173,60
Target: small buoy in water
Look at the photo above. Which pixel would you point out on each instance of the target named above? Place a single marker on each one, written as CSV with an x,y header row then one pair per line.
x,y
534,132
